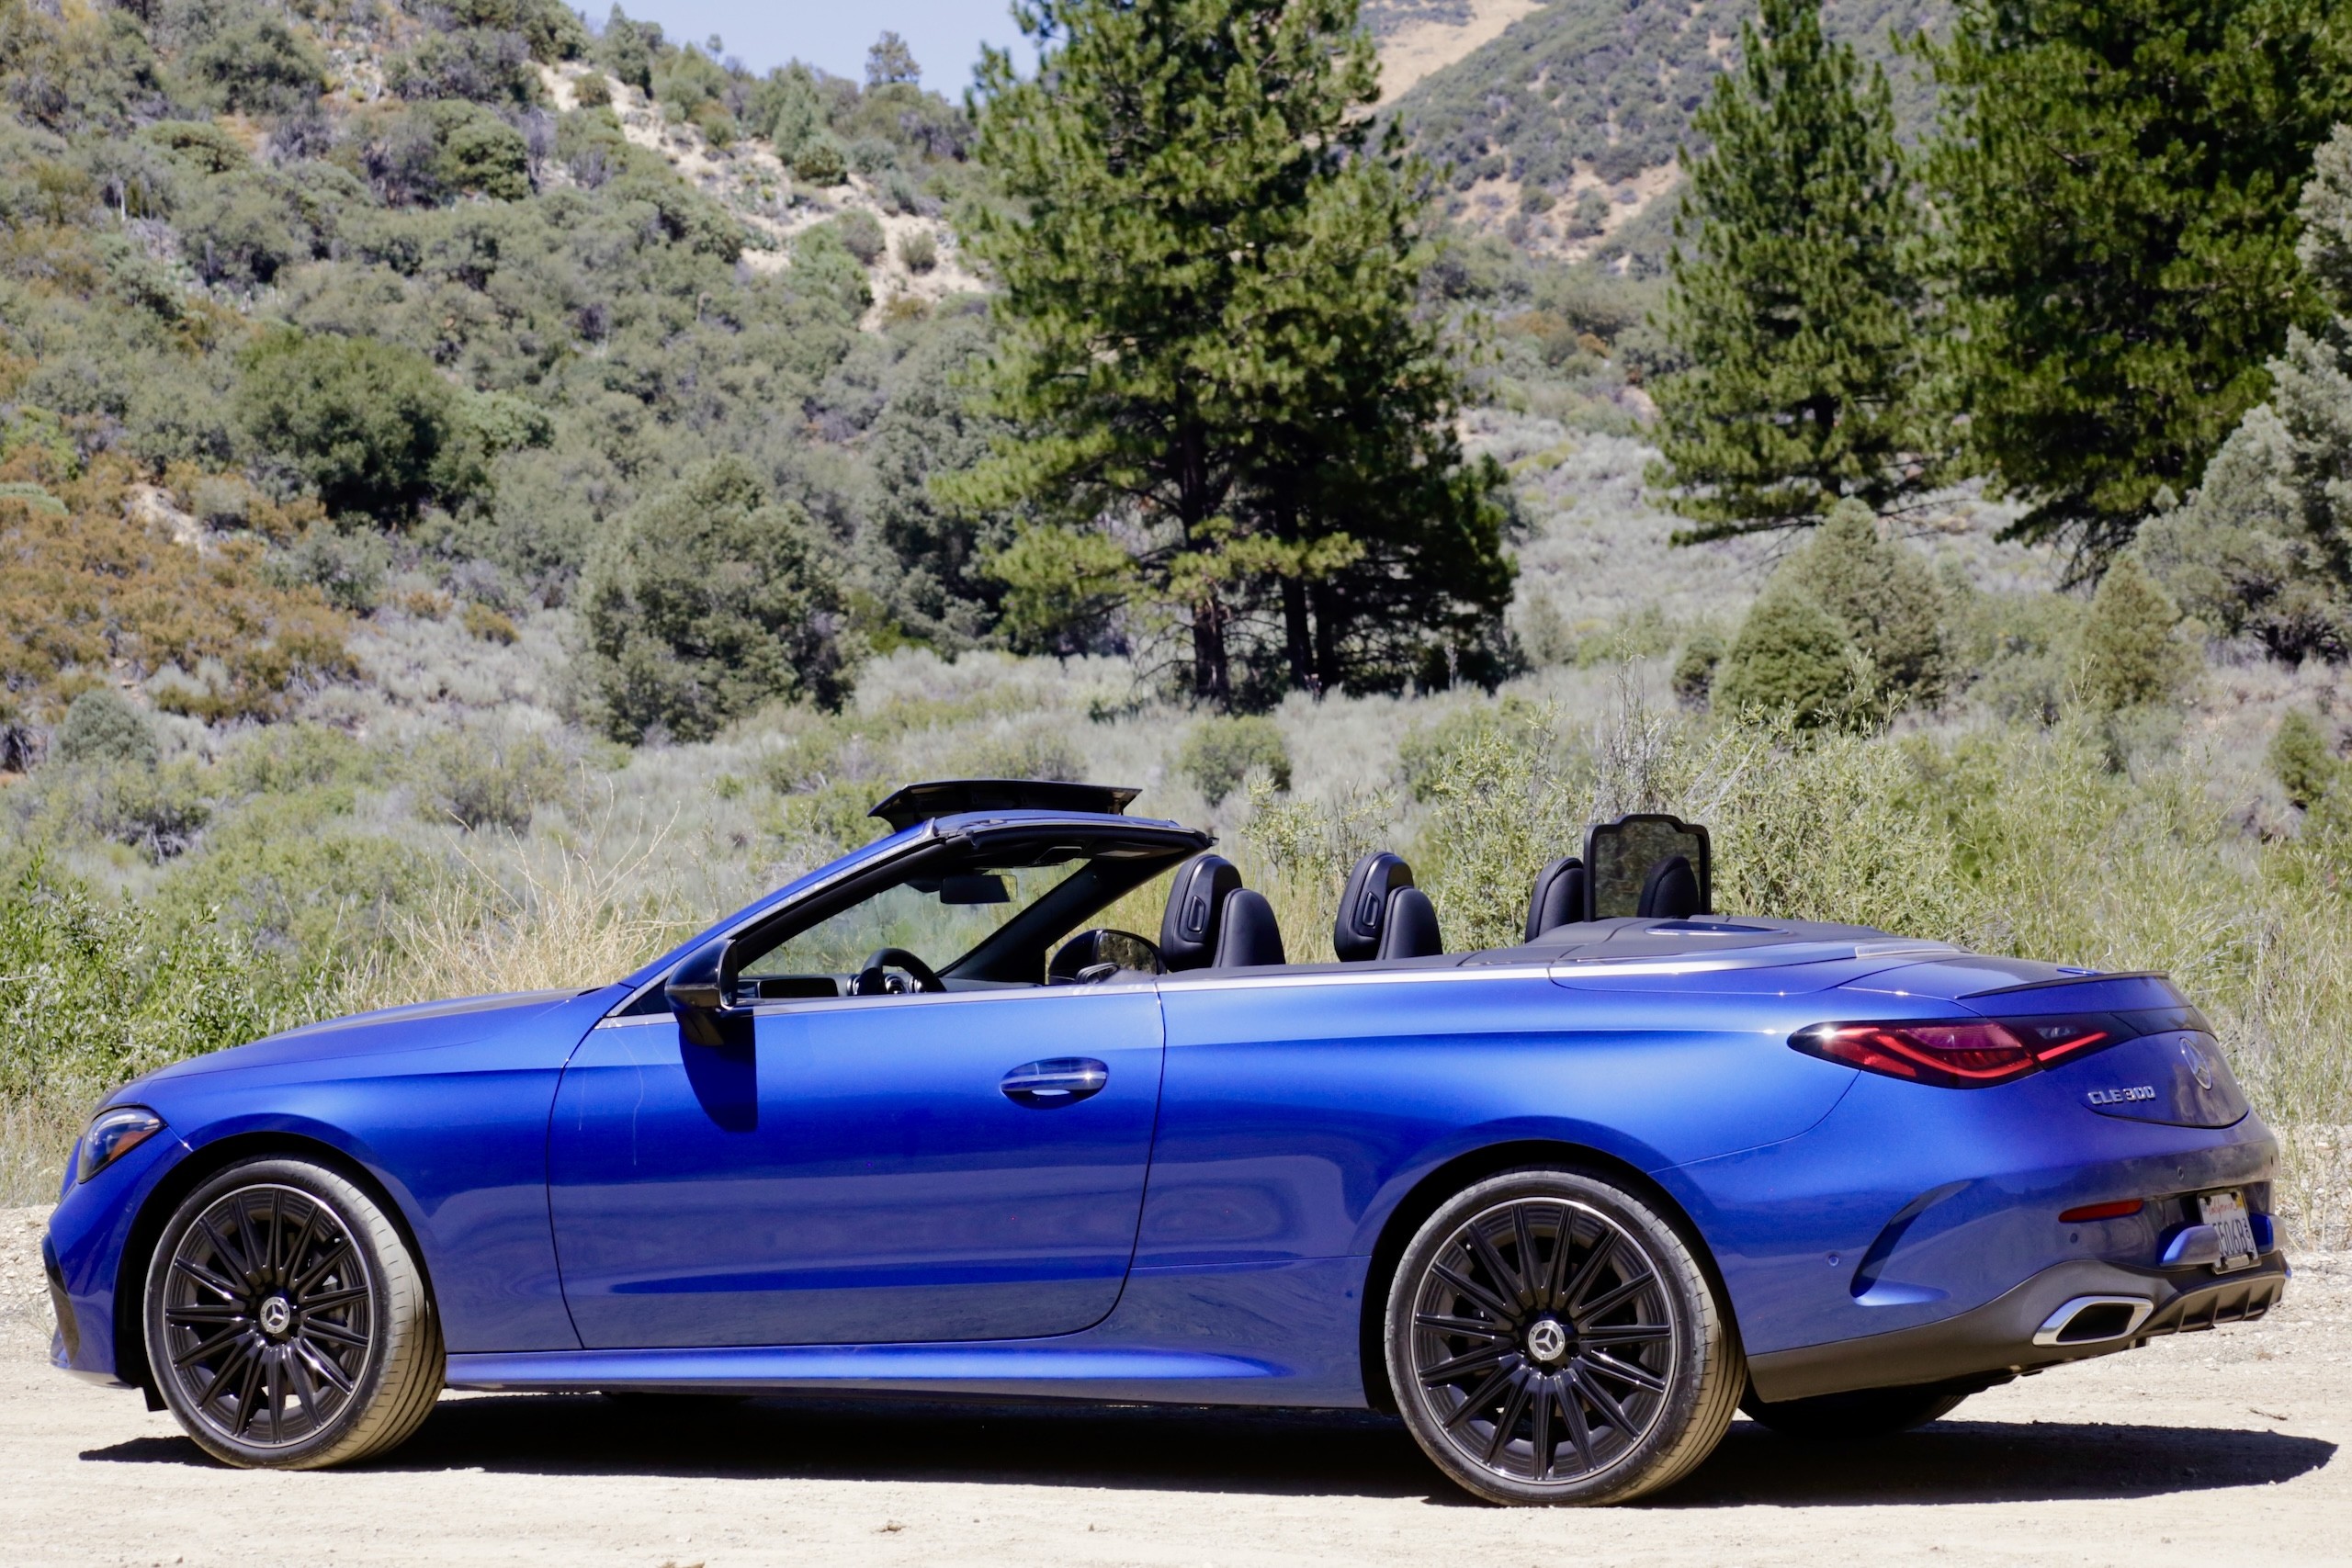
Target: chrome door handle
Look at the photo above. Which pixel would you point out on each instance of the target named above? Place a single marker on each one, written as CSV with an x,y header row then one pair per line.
x,y
1058,1080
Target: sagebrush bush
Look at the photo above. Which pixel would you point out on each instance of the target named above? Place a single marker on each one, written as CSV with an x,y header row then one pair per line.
x,y
918,251
1222,750
102,727
861,234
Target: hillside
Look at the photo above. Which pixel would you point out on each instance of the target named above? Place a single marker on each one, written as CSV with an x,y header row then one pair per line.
x,y
1560,134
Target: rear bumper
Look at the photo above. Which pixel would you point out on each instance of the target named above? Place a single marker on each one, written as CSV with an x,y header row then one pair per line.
x,y
1997,1340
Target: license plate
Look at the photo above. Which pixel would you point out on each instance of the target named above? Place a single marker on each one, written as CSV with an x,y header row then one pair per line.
x,y
2226,1211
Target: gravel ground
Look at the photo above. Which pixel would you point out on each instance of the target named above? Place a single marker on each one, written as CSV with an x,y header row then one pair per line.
x,y
2212,1446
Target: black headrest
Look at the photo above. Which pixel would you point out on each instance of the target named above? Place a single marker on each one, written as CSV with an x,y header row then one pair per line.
x,y
1188,932
1250,935
1363,905
1670,892
1558,899
1412,926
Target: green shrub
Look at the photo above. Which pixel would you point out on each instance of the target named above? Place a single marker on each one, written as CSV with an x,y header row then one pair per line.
x,y
918,251
99,993
482,779
706,602
861,235
1040,751
260,65
2305,765
1791,657
156,811
1221,750
1694,668
819,160
372,425
2132,652
102,727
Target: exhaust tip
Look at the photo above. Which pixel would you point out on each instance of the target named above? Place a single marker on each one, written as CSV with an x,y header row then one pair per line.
x,y
2092,1320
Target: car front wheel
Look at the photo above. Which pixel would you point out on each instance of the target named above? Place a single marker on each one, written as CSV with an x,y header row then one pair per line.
x,y
1551,1339
289,1325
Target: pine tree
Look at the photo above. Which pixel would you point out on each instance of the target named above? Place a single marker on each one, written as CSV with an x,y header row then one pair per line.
x,y
2131,654
1236,424
2117,185
1793,295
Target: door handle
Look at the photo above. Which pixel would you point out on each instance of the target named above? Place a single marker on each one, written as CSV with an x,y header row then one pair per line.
x,y
1058,1080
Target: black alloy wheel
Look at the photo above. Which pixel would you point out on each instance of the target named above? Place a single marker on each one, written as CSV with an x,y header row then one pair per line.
x,y
288,1326
1553,1340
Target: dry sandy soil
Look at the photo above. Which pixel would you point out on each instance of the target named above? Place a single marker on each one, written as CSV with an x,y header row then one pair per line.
x,y
2214,1446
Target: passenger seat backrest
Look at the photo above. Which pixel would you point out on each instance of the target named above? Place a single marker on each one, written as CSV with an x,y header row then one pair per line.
x,y
1558,898
1250,935
1382,915
1363,905
1196,906
1670,892
1412,926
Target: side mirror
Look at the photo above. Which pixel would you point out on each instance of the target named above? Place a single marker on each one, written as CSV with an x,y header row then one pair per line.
x,y
701,992
1630,868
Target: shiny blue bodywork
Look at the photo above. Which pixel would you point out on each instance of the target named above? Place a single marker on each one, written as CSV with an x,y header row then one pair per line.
x,y
850,1202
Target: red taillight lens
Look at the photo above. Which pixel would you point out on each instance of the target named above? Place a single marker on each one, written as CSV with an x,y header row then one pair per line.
x,y
1973,1053
2122,1209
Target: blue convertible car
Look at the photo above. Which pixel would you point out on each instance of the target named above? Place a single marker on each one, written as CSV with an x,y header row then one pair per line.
x,y
915,1123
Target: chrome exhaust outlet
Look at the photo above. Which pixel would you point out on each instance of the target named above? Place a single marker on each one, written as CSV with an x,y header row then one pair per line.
x,y
2093,1320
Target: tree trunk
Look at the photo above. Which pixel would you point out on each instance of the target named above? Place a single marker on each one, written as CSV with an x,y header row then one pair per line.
x,y
1296,636
1327,637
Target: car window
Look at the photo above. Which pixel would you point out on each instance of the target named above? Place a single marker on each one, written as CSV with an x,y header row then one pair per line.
x,y
938,919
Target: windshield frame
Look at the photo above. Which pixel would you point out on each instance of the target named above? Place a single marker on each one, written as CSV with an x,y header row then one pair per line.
x,y
864,872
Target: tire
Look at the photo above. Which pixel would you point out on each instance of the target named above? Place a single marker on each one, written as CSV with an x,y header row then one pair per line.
x,y
289,1325
1865,1413
1631,1383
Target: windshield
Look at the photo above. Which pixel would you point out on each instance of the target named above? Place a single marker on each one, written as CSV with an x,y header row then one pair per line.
x,y
940,918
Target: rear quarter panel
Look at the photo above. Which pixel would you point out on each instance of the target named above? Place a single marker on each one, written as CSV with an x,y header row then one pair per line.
x,y
1298,1111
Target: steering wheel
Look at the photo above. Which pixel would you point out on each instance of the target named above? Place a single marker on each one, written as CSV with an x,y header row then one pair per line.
x,y
872,982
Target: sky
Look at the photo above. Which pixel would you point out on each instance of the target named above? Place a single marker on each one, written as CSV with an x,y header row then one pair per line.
x,y
946,35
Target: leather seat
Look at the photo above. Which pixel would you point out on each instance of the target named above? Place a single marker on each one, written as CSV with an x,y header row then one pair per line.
x,y
1670,892
1558,899
1213,923
1382,915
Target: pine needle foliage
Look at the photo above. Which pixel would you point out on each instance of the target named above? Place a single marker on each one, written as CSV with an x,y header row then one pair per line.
x,y
2116,188
1210,348
1796,295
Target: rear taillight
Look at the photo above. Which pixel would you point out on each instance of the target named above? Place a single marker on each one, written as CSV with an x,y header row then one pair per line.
x,y
1960,1052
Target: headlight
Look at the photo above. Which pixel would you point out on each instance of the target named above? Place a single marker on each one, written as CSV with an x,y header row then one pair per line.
x,y
114,1133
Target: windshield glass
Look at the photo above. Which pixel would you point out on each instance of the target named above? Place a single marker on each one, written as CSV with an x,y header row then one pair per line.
x,y
938,918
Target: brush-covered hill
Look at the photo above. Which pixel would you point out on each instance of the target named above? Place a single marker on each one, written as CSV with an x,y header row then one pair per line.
x,y
1559,132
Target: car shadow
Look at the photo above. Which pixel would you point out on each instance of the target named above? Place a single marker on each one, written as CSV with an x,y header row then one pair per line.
x,y
1276,1452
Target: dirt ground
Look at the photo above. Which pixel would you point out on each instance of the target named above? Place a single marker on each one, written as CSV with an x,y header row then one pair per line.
x,y
2220,1447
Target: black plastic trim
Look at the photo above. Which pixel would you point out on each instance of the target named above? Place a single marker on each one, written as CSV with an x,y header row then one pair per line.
x,y
1998,1336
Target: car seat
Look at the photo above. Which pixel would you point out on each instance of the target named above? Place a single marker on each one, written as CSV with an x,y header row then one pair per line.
x,y
1382,915
1670,892
1558,898
1213,923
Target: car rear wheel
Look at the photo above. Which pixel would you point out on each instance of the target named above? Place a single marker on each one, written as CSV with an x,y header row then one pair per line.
x,y
289,1325
1865,1413
1552,1339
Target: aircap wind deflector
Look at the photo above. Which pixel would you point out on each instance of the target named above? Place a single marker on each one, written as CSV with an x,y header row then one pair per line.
x,y
946,797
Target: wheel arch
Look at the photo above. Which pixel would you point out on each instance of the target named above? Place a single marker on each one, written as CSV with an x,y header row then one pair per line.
x,y
1466,1171
202,1164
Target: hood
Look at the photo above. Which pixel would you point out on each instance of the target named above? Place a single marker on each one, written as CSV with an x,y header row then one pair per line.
x,y
414,1027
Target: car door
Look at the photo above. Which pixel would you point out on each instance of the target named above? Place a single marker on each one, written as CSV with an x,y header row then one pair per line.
x,y
869,1169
